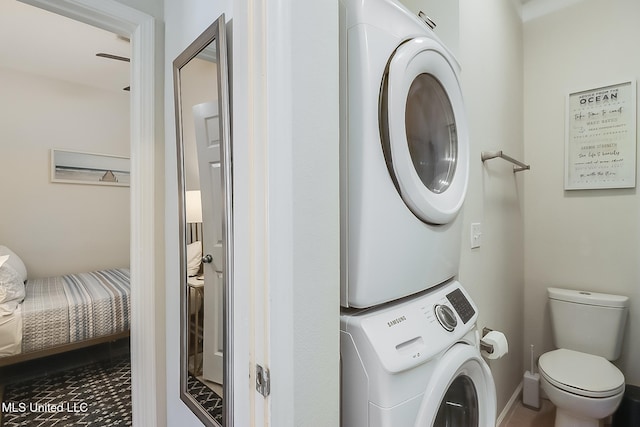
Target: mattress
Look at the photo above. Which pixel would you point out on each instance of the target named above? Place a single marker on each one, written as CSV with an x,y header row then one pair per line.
x,y
11,333
75,307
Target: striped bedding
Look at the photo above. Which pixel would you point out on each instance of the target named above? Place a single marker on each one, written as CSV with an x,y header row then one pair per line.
x,y
75,307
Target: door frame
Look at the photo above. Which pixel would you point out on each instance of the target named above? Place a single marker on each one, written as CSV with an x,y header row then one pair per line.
x,y
286,242
147,364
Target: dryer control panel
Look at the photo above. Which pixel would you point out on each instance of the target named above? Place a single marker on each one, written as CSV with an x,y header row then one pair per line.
x,y
414,330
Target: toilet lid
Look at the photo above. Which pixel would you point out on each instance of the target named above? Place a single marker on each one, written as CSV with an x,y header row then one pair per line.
x,y
581,373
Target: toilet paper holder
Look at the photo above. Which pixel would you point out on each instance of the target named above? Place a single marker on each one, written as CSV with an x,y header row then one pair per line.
x,y
483,345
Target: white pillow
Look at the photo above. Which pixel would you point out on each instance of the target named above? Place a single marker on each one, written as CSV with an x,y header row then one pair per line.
x,y
15,262
194,258
11,287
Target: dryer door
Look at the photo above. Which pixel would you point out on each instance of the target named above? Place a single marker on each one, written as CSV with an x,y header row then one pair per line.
x,y
424,130
461,393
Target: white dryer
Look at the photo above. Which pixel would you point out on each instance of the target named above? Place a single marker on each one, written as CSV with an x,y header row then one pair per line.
x,y
404,155
416,362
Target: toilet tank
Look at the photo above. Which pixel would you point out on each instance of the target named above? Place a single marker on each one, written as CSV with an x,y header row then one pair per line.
x,y
587,321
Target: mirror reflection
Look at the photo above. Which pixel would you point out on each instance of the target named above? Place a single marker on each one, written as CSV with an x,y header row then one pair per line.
x,y
200,75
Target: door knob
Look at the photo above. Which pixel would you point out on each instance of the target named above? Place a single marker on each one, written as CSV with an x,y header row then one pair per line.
x,y
207,259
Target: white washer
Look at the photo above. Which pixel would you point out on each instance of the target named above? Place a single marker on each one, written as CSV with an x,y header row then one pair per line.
x,y
416,362
404,155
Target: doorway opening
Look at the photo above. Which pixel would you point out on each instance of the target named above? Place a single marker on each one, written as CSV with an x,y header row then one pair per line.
x,y
145,242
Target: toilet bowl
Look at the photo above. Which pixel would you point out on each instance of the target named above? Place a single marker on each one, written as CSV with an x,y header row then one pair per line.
x,y
578,377
585,388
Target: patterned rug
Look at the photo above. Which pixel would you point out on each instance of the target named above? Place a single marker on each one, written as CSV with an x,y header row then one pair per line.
x,y
92,395
208,399
98,394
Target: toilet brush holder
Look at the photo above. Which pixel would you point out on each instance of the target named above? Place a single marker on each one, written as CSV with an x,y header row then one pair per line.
x,y
531,387
531,390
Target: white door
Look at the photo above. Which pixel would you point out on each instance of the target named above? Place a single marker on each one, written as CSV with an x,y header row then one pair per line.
x,y
424,130
207,125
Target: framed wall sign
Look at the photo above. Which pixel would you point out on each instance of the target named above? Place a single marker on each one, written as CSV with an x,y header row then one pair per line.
x,y
73,167
600,140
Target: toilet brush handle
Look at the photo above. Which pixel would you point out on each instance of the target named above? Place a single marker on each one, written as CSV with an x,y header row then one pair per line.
x,y
532,358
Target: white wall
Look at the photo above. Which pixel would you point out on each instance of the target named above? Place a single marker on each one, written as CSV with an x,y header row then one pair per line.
x,y
491,59
61,228
577,239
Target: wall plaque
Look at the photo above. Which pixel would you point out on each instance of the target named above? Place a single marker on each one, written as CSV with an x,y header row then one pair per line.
x,y
600,140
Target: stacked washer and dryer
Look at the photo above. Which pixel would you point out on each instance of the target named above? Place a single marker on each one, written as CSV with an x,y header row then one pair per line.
x,y
410,351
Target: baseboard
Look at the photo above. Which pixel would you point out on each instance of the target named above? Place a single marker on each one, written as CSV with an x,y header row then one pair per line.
x,y
512,401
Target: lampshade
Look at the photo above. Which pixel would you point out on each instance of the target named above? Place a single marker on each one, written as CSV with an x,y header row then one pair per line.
x,y
193,206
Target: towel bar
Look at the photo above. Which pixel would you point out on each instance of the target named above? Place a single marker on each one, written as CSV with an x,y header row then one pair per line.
x,y
486,155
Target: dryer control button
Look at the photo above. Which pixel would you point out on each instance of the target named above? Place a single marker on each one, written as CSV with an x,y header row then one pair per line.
x,y
446,317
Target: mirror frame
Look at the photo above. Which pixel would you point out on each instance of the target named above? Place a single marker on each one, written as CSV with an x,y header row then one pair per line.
x,y
215,33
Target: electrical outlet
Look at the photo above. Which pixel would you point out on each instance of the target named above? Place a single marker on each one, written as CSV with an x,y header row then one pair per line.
x,y
476,235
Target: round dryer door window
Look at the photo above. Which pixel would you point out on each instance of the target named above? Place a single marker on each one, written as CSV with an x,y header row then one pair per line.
x,y
431,133
424,130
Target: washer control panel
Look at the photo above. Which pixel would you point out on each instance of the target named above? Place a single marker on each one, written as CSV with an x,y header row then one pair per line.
x,y
416,329
462,305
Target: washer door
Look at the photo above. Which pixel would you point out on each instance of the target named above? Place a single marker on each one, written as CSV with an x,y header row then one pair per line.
x,y
461,392
424,130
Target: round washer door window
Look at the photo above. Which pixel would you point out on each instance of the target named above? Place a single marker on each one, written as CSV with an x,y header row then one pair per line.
x,y
461,392
459,407
424,130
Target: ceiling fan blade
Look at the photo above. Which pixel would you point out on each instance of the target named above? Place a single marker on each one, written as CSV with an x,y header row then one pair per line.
x,y
116,57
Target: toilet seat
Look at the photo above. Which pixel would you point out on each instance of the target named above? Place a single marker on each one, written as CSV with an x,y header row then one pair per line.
x,y
581,373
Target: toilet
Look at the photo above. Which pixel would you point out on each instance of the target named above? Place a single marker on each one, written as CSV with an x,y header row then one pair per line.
x,y
578,377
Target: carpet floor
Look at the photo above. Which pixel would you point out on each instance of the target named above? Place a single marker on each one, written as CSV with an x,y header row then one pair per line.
x,y
94,395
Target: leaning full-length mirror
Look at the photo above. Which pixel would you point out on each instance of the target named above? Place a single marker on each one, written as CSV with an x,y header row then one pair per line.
x,y
205,198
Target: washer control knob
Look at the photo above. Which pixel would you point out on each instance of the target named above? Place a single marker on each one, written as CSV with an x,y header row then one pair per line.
x,y
446,317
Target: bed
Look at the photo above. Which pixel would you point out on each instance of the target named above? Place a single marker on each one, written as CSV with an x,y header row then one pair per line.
x,y
57,314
